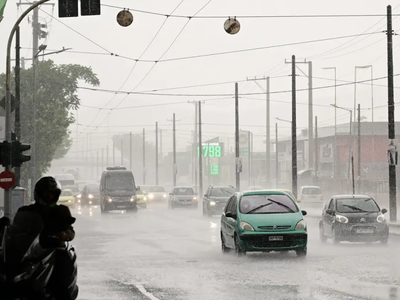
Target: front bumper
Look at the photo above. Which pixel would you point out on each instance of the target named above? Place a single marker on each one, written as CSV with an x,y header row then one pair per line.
x,y
185,203
216,209
141,202
368,232
261,241
121,205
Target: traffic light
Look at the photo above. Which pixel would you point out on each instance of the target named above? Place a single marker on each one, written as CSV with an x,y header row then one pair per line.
x,y
90,7
67,8
5,153
18,158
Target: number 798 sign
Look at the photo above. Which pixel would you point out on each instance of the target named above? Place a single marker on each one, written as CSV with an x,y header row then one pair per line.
x,y
210,151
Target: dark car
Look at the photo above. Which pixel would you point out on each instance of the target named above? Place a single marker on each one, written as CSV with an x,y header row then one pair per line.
x,y
215,199
90,195
353,218
182,196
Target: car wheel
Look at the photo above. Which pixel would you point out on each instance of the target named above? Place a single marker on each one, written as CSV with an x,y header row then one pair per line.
x,y
335,237
384,241
322,235
238,251
301,252
223,246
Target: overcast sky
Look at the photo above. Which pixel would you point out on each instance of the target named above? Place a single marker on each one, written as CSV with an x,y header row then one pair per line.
x,y
101,35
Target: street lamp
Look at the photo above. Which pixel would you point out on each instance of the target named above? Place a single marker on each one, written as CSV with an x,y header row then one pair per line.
x,y
350,140
334,149
287,121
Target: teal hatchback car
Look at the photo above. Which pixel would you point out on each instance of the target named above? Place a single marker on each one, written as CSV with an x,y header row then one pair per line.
x,y
263,221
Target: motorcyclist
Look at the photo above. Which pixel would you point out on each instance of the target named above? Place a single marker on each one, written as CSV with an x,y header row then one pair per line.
x,y
57,229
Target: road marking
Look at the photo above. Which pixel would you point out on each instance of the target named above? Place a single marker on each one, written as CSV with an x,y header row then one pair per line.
x,y
145,292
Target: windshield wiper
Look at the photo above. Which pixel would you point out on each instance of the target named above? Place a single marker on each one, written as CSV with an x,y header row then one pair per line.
x,y
355,208
272,201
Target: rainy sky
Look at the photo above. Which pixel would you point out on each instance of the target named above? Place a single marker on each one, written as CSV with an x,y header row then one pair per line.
x,y
174,41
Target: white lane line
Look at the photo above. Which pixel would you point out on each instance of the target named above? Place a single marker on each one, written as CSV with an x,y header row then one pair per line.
x,y
145,292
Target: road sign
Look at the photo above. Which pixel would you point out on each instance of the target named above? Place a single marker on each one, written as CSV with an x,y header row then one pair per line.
x,y
7,180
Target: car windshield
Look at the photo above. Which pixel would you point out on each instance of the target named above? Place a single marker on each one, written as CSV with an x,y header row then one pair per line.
x,y
352,205
267,204
156,189
120,182
74,189
222,192
312,191
183,191
66,193
93,189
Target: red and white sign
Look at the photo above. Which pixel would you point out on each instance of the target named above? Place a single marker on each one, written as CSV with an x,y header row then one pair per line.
x,y
7,180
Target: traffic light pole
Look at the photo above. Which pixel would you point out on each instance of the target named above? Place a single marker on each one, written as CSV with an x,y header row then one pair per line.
x,y
7,193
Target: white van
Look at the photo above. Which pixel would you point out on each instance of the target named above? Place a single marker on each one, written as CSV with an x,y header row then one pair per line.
x,y
65,179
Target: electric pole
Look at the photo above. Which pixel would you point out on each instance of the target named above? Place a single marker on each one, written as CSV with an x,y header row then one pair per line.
x,y
156,153
359,150
294,129
391,120
17,99
130,152
195,146
113,153
175,168
122,150
200,156
316,150
144,156
276,156
237,154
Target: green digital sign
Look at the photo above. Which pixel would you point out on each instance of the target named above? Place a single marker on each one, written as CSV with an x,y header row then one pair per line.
x,y
214,169
211,150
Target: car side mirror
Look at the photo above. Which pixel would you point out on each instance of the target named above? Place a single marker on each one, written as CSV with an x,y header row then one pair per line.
x,y
384,210
330,212
231,215
304,213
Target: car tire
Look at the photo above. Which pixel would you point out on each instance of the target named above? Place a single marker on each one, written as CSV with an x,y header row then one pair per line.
x,y
223,246
301,252
384,241
322,236
239,252
103,209
335,238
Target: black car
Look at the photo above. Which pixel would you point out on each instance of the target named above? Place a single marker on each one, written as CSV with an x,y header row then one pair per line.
x,y
90,195
215,199
353,218
182,196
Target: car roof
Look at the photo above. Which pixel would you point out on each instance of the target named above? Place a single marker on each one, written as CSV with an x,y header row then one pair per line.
x,y
183,187
311,186
222,187
350,196
66,190
263,192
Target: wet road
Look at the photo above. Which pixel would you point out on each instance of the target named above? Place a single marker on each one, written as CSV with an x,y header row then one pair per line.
x,y
175,254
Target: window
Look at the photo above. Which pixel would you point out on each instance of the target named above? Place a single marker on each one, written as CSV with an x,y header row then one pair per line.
x,y
222,192
311,191
183,191
356,205
93,188
267,204
156,189
119,182
331,205
229,204
66,193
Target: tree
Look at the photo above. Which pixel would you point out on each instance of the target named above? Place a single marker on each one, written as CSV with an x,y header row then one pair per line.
x,y
56,99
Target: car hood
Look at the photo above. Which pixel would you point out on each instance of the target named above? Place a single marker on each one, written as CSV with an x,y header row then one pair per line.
x,y
183,196
157,193
119,193
283,219
356,217
65,198
219,199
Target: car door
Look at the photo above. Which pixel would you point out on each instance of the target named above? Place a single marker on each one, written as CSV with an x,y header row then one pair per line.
x,y
328,219
231,223
224,221
206,196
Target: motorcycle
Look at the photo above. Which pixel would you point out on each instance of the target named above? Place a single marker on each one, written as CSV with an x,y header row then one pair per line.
x,y
26,268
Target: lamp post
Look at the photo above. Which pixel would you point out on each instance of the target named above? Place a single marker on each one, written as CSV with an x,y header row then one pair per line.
x,y
334,148
350,140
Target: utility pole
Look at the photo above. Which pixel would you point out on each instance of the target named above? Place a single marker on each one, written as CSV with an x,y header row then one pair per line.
x,y
310,107
359,149
161,145
107,156
130,151
195,146
17,99
144,156
102,159
200,156
122,150
316,150
97,165
237,154
276,157
267,128
249,158
391,120
175,168
294,129
156,153
113,153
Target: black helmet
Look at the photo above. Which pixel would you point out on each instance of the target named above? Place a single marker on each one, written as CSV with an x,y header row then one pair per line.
x,y
47,191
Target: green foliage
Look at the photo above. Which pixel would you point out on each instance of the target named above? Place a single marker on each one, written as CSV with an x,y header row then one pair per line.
x,y
56,99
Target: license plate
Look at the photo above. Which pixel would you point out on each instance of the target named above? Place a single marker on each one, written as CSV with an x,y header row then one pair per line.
x,y
364,230
276,238
121,206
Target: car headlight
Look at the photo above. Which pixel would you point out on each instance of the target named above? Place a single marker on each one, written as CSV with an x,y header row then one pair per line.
x,y
151,196
132,198
79,196
90,196
79,201
90,202
194,198
109,199
341,219
165,195
69,201
212,203
145,198
301,225
246,226
381,218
